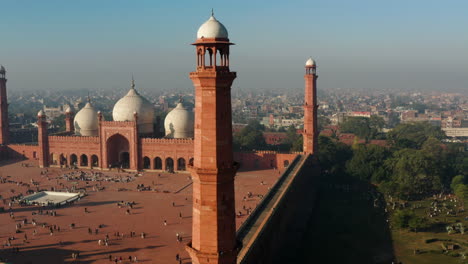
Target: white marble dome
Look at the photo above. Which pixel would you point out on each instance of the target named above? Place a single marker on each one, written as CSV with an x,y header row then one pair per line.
x,y
212,28
310,62
131,103
179,122
68,110
86,121
40,113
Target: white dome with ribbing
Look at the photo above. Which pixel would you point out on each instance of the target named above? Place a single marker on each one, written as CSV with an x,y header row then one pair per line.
x,y
310,62
179,122
86,121
131,103
212,28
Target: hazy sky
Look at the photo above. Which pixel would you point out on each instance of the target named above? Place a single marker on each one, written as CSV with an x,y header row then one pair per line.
x,y
378,44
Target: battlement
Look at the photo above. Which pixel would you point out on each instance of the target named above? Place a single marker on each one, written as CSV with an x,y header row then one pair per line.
x,y
73,139
272,152
167,140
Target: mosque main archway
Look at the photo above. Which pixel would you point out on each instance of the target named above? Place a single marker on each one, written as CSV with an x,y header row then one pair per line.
x,y
118,152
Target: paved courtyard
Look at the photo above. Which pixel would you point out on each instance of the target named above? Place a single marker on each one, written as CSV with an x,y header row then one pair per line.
x,y
168,200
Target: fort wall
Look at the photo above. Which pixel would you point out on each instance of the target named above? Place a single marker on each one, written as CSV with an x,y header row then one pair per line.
x,y
275,224
263,160
20,151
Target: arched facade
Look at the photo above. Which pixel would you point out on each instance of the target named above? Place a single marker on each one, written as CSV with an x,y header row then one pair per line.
x,y
169,164
83,160
158,163
73,160
181,164
94,161
118,152
146,163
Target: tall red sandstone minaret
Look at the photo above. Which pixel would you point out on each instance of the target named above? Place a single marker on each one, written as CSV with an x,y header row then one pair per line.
x,y
214,227
4,131
310,133
69,115
43,139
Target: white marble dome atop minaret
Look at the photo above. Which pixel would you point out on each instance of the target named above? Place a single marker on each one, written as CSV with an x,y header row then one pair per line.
x,y
310,62
179,122
131,103
212,28
86,121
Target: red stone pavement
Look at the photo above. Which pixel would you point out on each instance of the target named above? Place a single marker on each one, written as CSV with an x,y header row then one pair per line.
x,y
148,215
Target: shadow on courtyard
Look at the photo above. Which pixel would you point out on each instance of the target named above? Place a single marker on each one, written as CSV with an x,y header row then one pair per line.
x,y
57,255
28,208
7,161
349,226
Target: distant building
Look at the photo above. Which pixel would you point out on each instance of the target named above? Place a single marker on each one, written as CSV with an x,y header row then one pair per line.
x,y
456,132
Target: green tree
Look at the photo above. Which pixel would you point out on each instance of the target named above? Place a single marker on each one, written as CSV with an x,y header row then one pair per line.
x,y
417,223
461,191
363,127
376,124
333,156
413,174
401,218
413,135
294,140
359,126
250,137
367,163
59,123
457,180
322,122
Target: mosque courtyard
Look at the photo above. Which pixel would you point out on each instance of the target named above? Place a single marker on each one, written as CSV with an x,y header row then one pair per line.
x,y
160,209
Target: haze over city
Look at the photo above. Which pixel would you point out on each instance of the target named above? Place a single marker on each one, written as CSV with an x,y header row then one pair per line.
x,y
58,45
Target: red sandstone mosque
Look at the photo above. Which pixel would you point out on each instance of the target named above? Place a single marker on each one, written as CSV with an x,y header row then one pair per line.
x,y
200,143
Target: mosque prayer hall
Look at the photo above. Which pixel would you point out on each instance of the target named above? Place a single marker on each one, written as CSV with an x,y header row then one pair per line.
x,y
198,142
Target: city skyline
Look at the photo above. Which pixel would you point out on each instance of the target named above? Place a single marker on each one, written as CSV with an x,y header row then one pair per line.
x,y
88,45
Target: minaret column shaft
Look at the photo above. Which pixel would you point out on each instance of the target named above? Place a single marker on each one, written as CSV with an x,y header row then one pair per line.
x,y
310,133
4,125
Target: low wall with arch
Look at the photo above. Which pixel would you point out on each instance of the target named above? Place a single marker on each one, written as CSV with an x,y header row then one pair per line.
x,y
20,151
157,153
62,149
263,160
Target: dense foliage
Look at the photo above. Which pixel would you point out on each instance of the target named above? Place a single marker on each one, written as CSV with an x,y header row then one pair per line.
x,y
414,165
363,127
250,137
408,219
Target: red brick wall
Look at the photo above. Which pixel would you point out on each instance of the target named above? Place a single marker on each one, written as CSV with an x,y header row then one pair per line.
x,y
166,148
23,151
263,159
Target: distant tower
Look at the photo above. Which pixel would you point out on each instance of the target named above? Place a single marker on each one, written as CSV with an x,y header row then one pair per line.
x,y
4,131
43,139
213,222
271,121
69,115
310,133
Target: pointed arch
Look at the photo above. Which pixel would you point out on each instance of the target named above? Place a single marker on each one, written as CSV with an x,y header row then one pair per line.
x,y
157,163
146,163
181,164
169,164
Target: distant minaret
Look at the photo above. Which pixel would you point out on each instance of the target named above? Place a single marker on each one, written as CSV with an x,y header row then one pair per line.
x,y
43,140
4,130
69,126
213,220
310,133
